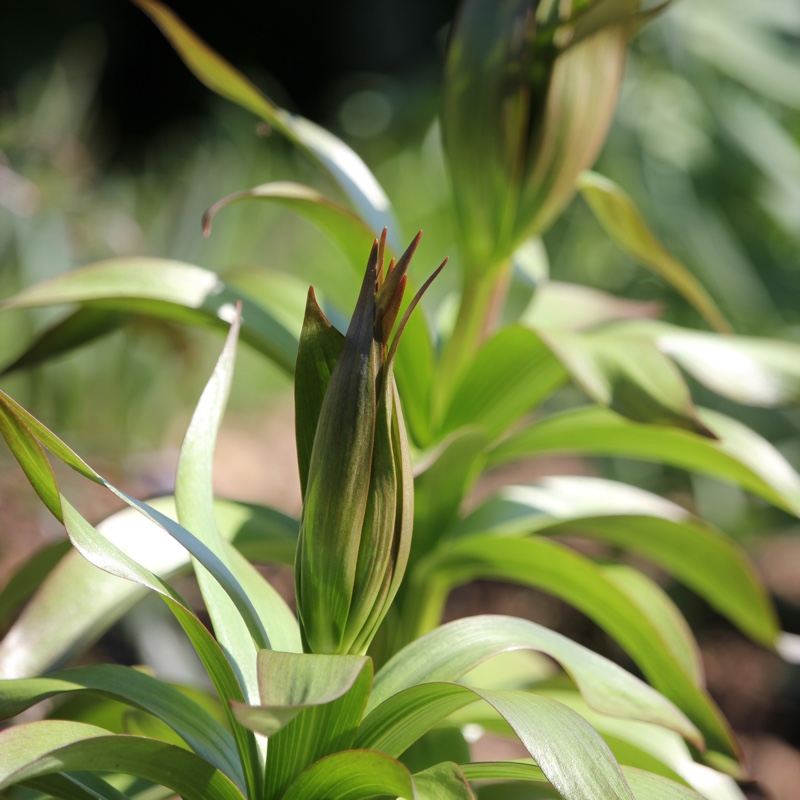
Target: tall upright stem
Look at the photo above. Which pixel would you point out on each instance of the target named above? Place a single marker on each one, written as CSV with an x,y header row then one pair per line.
x,y
481,304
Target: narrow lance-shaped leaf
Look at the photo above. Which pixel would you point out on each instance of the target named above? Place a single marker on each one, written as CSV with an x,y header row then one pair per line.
x,y
206,737
346,168
617,214
643,523
44,748
155,287
737,454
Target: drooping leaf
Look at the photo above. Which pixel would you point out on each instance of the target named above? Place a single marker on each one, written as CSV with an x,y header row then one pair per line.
x,y
346,168
43,748
691,550
571,307
289,683
749,370
617,214
77,602
80,327
22,439
443,781
566,748
738,454
155,287
556,569
628,374
206,737
644,785
452,650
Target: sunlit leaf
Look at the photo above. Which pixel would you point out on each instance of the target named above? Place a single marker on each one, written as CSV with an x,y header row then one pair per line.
x,y
331,153
154,287
618,215
738,454
694,552
42,748
191,722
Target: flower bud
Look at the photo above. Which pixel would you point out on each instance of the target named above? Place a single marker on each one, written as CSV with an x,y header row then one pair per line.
x,y
355,465
530,89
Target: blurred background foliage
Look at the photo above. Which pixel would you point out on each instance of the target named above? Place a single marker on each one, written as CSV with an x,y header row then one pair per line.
x,y
109,147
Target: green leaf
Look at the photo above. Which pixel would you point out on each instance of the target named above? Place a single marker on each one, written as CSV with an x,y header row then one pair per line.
x,y
289,683
82,326
347,230
443,781
207,738
443,479
43,748
353,775
511,374
567,749
663,614
755,372
75,786
617,214
346,168
27,578
570,307
330,693
159,288
628,374
319,349
644,524
556,569
644,785
239,634
78,602
452,650
738,454
261,533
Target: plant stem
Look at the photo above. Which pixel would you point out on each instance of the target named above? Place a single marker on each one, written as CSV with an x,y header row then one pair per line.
x,y
481,304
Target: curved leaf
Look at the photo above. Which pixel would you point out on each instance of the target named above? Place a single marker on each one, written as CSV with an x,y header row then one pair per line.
x,y
645,786
156,287
78,602
210,740
694,552
749,370
346,168
738,454
567,749
511,373
330,693
43,748
617,214
454,649
558,570
347,230
22,440
239,635
628,374
353,775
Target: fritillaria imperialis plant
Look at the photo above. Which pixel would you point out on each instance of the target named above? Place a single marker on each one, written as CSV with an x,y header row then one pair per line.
x,y
365,693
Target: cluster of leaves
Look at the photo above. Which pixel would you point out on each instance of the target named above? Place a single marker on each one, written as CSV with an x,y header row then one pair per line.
x,y
334,730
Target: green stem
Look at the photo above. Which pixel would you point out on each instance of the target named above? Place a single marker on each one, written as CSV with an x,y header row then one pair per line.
x,y
481,304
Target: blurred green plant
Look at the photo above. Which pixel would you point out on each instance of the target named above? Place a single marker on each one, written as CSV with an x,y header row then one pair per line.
x,y
467,399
